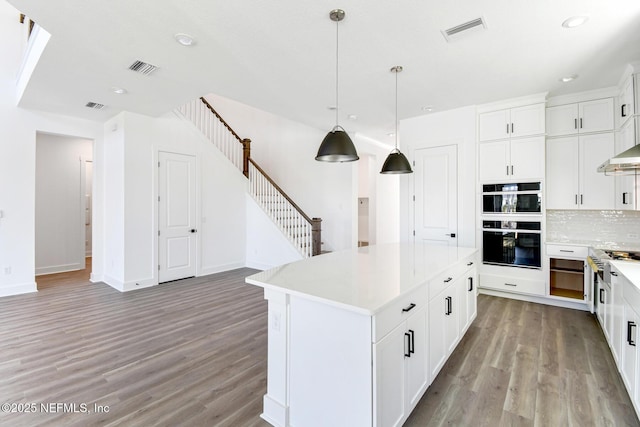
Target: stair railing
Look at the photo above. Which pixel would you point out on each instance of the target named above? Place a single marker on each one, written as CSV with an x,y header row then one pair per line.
x,y
303,232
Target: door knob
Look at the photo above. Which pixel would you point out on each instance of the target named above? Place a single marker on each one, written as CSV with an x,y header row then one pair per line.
x,y
452,235
193,230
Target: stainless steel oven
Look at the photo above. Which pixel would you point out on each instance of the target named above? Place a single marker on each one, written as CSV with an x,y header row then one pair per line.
x,y
512,243
513,198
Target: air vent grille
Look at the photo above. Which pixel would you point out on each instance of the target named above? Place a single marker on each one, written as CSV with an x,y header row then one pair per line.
x,y
466,28
142,67
94,105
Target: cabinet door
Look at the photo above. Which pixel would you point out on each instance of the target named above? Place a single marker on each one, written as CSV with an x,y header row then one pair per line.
x,y
389,380
562,120
527,120
562,173
600,311
596,116
451,324
494,125
597,190
625,197
527,158
630,350
437,350
417,362
494,161
617,311
626,104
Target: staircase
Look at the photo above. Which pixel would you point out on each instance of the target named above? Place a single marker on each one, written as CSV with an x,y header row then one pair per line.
x,y
302,231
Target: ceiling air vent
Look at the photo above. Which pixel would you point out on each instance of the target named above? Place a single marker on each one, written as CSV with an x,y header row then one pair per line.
x,y
142,68
94,105
458,31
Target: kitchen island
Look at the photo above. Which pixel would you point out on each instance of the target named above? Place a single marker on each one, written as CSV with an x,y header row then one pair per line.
x,y
355,337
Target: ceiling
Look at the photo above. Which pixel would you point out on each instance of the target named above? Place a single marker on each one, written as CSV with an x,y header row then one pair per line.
x,y
280,56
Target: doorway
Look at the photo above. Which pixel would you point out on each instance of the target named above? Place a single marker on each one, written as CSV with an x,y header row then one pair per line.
x,y
366,200
61,207
436,203
177,231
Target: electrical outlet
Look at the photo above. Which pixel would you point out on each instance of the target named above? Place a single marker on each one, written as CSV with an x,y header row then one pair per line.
x,y
632,236
275,321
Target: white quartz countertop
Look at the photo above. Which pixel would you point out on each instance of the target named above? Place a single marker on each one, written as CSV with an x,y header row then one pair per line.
x,y
365,279
630,270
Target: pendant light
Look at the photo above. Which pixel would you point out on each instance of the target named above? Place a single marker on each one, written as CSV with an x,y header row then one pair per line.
x,y
337,146
396,162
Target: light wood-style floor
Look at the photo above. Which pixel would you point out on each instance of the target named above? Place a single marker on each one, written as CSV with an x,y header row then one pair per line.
x,y
193,353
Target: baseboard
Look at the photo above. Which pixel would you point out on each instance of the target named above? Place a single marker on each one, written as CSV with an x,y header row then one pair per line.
x,y
114,283
258,265
59,268
96,278
536,299
205,271
24,288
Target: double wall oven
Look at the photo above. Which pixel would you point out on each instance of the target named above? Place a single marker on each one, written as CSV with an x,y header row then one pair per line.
x,y
512,224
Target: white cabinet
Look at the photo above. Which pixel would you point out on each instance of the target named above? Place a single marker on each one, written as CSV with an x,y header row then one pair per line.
x,y
615,313
626,185
512,123
401,369
583,117
630,366
572,179
451,312
516,159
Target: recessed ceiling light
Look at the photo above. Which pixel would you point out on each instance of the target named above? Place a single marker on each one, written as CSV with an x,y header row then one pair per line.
x,y
575,21
352,117
391,134
427,108
118,90
184,39
567,79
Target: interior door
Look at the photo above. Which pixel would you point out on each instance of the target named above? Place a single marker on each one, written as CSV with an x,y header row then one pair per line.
x,y
436,198
176,216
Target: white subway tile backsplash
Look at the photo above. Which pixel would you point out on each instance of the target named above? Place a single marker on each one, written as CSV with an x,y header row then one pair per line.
x,y
610,229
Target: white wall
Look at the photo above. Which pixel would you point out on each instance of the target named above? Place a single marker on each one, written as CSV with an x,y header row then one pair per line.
x,y
60,202
286,150
18,129
132,143
448,127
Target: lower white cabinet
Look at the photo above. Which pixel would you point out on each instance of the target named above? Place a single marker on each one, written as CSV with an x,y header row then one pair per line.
x,y
401,376
630,359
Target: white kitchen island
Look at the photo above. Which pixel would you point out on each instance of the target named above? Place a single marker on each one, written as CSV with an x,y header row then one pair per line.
x,y
356,337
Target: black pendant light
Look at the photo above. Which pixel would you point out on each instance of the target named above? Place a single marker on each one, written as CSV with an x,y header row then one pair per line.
x,y
337,146
396,162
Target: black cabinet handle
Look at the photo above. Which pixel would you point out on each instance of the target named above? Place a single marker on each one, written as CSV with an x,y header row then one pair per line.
x,y
408,308
469,263
448,279
580,122
581,199
629,326
624,198
193,230
407,345
448,309
512,128
512,170
601,296
623,110
470,284
412,342
575,123
613,273
507,128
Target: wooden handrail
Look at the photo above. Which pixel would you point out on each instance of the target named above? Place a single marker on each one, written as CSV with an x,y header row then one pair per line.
x,y
221,119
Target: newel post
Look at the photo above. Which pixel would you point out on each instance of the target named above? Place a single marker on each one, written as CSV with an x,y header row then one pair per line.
x,y
246,153
316,236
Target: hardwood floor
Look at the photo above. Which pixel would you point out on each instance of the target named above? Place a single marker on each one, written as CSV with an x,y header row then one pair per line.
x,y
193,353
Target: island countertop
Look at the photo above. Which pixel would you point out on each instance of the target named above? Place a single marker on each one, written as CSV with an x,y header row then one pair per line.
x,y
363,280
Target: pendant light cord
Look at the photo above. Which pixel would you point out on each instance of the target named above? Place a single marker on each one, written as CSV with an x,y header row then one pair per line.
x,y
337,74
396,109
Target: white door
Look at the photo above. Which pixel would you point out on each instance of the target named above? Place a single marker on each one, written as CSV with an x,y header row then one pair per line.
x,y
527,120
596,116
436,198
176,216
494,161
562,184
494,125
597,189
527,158
562,120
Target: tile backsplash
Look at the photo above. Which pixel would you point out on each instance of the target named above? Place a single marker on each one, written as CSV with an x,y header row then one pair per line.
x,y
610,229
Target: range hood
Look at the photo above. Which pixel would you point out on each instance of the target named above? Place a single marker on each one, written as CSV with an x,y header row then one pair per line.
x,y
628,160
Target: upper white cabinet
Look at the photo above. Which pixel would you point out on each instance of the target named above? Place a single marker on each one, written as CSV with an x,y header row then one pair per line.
x,y
583,117
512,123
572,179
626,100
516,159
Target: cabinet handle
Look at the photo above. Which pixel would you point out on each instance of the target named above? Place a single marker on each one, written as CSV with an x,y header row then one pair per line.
x,y
507,128
566,250
447,280
629,326
613,273
412,343
580,122
601,296
576,199
407,345
447,306
511,128
470,263
470,284
623,109
511,169
408,308
624,198
575,123
507,169
511,284
581,199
